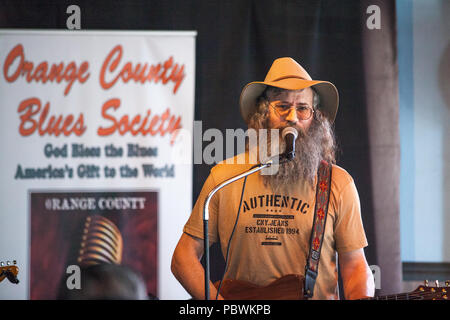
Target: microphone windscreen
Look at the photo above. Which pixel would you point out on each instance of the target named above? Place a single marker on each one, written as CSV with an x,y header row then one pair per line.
x,y
101,242
289,130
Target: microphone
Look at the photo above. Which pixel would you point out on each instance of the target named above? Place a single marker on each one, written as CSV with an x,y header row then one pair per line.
x,y
101,242
290,135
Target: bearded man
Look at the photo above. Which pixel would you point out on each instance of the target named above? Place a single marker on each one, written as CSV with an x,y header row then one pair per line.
x,y
264,224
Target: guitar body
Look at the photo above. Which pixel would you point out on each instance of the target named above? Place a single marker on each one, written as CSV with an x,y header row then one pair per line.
x,y
289,287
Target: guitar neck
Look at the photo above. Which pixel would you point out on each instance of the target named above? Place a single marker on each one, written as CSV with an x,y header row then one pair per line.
x,y
421,293
400,296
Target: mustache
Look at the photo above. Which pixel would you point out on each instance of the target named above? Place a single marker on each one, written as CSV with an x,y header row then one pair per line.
x,y
308,153
280,145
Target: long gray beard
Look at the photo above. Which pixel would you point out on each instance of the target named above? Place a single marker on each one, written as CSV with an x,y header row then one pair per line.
x,y
303,168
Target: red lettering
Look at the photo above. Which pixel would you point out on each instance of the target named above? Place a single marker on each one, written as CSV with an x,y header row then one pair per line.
x,y
177,77
152,74
137,125
167,65
27,118
112,103
123,125
166,72
83,68
111,66
42,72
16,52
54,126
127,73
27,68
164,117
153,123
70,74
56,72
174,125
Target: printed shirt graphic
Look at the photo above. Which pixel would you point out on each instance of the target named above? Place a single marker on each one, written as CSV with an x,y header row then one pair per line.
x,y
273,232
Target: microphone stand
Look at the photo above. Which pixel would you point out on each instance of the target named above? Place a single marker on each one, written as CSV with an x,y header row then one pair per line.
x,y
253,169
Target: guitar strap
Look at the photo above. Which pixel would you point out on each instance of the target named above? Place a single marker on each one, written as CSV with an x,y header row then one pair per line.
x,y
318,230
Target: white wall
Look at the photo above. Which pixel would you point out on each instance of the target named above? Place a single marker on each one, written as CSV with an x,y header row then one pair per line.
x,y
424,77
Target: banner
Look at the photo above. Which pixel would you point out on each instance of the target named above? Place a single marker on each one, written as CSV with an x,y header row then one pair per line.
x,y
92,154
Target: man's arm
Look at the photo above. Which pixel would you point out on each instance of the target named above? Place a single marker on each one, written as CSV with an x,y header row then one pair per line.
x,y
188,270
356,275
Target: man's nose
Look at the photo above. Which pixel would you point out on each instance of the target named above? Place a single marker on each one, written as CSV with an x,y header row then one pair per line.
x,y
292,115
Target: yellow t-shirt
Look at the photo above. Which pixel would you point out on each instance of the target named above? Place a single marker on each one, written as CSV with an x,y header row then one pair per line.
x,y
273,231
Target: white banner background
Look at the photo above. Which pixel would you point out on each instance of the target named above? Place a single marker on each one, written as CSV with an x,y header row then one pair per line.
x,y
88,98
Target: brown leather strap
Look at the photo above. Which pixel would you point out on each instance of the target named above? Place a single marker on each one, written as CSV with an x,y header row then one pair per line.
x,y
320,217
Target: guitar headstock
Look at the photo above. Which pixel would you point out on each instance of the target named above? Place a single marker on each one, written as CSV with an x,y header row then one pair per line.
x,y
427,292
9,270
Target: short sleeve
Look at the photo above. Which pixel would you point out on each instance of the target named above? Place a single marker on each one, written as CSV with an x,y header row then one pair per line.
x,y
348,229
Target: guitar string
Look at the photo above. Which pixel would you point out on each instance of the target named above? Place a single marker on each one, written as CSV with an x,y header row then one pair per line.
x,y
407,295
423,295
412,296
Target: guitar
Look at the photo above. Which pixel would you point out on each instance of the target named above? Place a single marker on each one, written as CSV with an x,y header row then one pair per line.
x,y
424,292
9,271
290,287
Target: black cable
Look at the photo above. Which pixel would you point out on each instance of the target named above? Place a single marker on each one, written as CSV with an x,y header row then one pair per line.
x,y
231,237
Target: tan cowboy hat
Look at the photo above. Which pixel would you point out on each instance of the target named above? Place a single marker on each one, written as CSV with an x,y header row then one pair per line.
x,y
286,73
